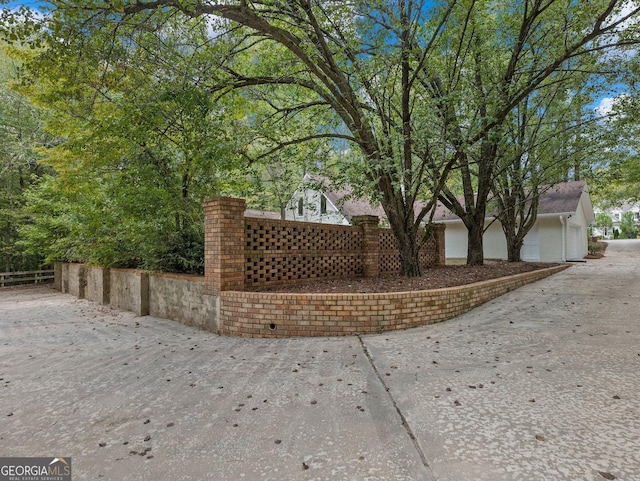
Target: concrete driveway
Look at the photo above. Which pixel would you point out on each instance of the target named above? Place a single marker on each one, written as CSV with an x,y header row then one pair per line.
x,y
542,383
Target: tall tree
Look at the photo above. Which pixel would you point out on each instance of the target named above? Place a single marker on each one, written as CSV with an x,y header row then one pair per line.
x,y
143,144
360,74
548,135
417,87
618,180
628,226
513,54
21,132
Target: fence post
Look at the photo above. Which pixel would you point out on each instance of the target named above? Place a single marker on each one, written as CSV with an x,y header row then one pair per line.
x,y
371,243
224,240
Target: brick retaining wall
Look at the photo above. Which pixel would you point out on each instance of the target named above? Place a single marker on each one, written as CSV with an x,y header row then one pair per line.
x,y
243,253
269,314
273,314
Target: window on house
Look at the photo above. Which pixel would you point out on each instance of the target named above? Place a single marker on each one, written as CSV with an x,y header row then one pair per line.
x,y
300,206
323,205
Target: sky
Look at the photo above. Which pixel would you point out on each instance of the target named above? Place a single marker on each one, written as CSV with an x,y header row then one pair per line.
x,y
26,3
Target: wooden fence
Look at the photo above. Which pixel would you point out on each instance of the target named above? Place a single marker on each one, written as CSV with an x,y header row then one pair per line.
x,y
26,277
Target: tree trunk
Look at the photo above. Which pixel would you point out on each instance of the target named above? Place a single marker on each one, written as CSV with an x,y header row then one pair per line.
x,y
409,258
475,248
514,246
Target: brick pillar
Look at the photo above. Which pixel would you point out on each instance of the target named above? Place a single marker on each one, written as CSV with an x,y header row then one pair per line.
x,y
224,244
371,247
438,232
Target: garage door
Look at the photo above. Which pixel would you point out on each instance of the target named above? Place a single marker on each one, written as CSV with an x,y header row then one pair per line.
x,y
574,242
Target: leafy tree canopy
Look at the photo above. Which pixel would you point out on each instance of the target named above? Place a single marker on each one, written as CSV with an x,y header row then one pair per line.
x,y
424,92
21,129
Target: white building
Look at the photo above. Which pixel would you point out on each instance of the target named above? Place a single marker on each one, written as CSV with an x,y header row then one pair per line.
x,y
559,234
616,214
317,201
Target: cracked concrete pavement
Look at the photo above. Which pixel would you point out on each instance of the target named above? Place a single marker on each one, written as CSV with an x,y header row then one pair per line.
x,y
542,383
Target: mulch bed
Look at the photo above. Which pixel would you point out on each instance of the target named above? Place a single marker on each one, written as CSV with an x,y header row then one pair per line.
x,y
597,254
433,278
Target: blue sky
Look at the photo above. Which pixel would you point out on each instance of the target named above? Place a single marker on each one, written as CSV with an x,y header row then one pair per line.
x,y
15,4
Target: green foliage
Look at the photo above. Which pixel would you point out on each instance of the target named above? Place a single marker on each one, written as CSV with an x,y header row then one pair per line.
x,y
595,247
134,228
142,144
405,101
21,131
628,227
604,220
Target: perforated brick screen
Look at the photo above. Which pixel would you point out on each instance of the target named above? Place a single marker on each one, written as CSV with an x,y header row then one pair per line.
x,y
390,257
282,252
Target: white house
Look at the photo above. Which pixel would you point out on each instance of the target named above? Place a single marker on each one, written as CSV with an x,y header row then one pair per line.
x,y
616,214
559,234
317,201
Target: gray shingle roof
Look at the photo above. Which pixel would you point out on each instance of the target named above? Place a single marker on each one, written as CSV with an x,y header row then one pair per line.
x,y
561,198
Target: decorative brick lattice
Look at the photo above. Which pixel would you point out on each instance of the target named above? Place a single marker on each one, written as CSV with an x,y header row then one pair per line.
x,y
390,257
428,254
248,253
282,252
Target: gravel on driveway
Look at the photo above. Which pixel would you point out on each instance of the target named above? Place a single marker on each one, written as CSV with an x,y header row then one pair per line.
x,y
542,383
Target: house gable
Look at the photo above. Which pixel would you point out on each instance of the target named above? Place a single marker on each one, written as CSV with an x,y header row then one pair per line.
x,y
318,201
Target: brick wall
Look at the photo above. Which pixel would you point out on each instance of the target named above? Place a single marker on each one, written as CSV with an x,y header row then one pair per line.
x,y
248,253
241,253
271,315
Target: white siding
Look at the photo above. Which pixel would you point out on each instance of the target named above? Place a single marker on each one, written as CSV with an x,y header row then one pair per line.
x,y
494,243
550,239
311,201
455,241
531,245
577,228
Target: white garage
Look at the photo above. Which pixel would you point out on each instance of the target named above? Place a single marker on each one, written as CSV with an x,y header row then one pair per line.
x,y
560,233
